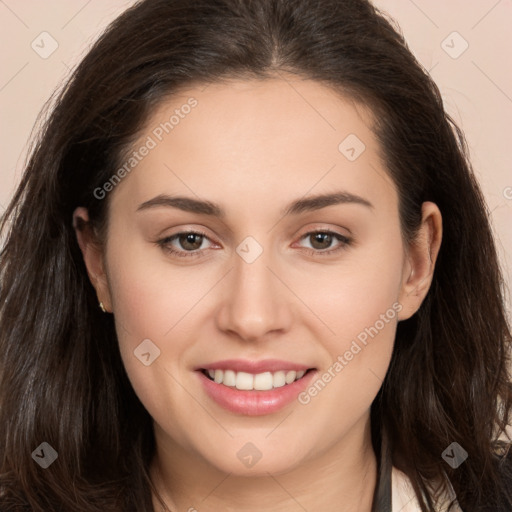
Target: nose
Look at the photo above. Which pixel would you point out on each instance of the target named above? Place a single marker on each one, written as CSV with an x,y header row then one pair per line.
x,y
255,301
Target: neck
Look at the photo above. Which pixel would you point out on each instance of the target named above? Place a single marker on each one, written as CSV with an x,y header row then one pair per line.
x,y
340,479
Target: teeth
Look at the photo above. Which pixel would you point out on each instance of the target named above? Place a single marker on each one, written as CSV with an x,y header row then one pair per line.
x,y
279,379
290,376
229,378
244,380
260,382
263,381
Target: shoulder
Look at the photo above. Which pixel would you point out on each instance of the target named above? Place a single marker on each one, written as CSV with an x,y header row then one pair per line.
x,y
403,497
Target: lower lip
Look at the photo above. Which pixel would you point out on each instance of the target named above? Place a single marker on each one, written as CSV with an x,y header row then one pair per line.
x,y
254,403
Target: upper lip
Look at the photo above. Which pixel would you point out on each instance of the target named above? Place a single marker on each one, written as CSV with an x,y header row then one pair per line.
x,y
245,365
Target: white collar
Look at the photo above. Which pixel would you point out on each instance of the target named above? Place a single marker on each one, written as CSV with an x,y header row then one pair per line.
x,y
403,497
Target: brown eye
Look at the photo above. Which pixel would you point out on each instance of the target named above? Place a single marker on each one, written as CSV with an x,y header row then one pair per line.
x,y
186,243
190,241
321,242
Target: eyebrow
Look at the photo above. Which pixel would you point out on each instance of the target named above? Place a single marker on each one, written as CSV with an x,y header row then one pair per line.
x,y
302,205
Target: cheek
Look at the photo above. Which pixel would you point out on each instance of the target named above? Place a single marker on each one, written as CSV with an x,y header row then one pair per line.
x,y
153,301
150,296
357,302
355,293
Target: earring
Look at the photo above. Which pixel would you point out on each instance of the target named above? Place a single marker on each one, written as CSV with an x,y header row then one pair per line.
x,y
102,307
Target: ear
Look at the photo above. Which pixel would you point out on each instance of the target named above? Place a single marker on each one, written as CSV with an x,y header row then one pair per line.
x,y
93,255
420,261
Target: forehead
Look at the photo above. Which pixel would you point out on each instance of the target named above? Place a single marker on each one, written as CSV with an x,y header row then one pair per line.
x,y
258,139
277,112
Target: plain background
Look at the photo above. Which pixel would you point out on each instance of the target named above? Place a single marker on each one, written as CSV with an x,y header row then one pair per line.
x,y
465,46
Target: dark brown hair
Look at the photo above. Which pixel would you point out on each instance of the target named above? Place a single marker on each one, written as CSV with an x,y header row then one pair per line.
x,y
62,380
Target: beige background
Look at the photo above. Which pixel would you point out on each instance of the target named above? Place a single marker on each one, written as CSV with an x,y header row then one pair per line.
x,y
476,86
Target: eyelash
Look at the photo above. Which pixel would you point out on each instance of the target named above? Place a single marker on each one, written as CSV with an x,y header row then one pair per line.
x,y
164,243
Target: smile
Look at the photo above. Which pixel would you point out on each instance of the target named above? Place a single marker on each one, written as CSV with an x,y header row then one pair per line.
x,y
259,382
254,394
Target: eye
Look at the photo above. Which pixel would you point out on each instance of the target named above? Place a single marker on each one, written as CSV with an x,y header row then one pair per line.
x,y
321,242
186,244
189,243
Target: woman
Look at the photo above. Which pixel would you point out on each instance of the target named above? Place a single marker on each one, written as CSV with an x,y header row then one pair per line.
x,y
249,266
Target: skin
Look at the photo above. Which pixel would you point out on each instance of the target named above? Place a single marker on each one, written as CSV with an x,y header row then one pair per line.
x,y
253,147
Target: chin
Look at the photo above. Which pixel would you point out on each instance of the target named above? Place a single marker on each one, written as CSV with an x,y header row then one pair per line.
x,y
251,461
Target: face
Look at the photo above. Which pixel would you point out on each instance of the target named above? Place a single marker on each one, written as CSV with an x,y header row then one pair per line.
x,y
220,247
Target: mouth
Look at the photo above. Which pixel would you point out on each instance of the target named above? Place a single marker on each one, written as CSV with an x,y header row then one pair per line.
x,y
246,381
255,394
254,387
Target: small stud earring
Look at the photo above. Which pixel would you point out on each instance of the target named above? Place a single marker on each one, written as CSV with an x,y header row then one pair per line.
x,y
102,307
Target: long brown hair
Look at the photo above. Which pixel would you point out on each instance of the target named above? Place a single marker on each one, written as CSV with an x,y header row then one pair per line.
x,y
61,376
